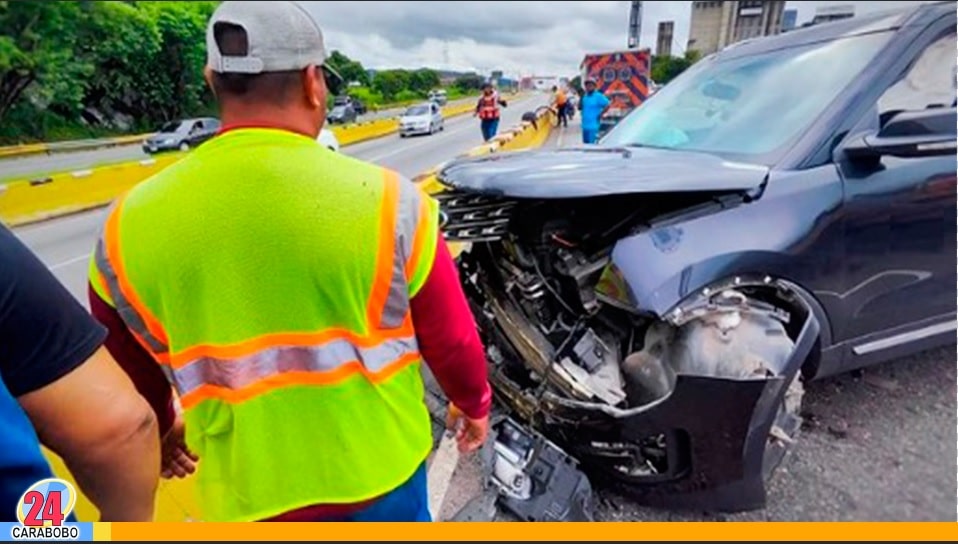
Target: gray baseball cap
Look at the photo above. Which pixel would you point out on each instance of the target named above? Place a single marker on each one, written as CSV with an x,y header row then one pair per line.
x,y
281,36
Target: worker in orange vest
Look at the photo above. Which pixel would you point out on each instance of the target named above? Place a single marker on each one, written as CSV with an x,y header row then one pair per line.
x,y
560,103
291,301
487,109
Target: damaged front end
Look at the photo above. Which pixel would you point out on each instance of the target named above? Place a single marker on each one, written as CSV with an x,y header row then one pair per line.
x,y
689,410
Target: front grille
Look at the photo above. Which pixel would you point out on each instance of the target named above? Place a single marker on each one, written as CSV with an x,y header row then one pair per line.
x,y
470,217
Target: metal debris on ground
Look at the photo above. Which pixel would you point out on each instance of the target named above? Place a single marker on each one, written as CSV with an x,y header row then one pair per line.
x,y
529,477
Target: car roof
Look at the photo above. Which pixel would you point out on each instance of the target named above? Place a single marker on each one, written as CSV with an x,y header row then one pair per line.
x,y
863,24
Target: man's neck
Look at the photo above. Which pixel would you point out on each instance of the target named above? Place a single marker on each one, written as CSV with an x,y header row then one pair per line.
x,y
269,118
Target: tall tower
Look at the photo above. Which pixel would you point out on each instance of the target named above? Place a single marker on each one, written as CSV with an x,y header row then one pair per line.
x,y
635,24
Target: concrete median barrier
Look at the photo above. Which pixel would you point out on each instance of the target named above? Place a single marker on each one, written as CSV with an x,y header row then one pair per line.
x,y
32,200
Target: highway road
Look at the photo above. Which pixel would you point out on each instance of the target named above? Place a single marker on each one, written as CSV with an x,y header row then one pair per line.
x,y
64,244
36,165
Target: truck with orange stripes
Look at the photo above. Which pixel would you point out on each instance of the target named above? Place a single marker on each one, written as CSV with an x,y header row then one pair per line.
x,y
623,77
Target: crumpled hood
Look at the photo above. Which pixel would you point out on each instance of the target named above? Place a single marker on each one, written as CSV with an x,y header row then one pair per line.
x,y
595,171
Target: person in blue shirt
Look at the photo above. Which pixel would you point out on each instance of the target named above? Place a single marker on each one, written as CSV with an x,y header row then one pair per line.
x,y
593,106
59,386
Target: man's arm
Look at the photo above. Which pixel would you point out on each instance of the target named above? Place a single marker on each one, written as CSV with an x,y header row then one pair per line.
x,y
150,382
139,365
82,406
107,435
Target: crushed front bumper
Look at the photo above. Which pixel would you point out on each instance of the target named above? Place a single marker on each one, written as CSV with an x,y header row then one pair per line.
x,y
709,437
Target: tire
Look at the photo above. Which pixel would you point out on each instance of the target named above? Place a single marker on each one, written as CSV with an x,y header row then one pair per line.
x,y
184,146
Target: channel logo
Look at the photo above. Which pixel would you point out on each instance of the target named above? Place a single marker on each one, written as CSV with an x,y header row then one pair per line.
x,y
44,512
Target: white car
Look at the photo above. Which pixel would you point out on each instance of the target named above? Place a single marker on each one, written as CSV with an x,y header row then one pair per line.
x,y
421,119
328,140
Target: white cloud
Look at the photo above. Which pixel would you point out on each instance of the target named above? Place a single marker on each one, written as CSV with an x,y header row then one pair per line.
x,y
545,38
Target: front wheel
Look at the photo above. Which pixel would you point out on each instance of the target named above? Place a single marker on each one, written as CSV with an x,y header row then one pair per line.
x,y
184,146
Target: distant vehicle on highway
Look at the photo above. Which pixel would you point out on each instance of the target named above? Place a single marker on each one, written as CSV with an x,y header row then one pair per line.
x,y
438,96
342,114
181,135
328,139
421,119
623,77
346,100
781,211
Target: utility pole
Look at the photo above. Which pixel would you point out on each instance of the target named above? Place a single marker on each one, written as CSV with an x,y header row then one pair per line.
x,y
635,24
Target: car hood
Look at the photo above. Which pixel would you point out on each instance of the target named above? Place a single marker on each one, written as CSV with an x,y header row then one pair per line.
x,y
595,171
414,118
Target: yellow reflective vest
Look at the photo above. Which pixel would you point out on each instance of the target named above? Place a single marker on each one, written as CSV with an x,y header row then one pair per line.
x,y
271,278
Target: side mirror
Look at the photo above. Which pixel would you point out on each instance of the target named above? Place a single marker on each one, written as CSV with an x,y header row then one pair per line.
x,y
923,133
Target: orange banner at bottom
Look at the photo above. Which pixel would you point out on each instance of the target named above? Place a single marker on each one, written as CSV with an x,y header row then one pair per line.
x,y
513,532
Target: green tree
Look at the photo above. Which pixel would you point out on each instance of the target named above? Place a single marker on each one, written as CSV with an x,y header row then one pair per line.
x,y
37,42
351,70
664,69
179,88
423,80
119,40
389,83
469,82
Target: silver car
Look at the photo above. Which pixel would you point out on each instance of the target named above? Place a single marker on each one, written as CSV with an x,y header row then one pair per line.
x,y
421,119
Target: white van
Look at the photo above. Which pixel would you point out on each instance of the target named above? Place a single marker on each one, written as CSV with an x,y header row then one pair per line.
x,y
438,96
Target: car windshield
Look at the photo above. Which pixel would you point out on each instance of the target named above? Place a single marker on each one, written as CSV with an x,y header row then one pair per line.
x,y
749,107
339,110
417,110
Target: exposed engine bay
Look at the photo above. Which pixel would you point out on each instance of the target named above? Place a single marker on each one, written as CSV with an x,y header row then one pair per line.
x,y
570,350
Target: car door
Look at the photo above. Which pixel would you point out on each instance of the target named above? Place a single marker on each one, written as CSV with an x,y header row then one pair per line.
x,y
436,115
899,210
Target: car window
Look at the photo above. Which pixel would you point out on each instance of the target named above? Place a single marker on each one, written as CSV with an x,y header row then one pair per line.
x,y
169,127
929,82
748,107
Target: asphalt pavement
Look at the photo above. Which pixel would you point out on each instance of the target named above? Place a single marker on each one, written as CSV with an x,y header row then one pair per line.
x,y
35,165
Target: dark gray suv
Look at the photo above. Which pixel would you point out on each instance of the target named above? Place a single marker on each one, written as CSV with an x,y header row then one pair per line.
x,y
782,211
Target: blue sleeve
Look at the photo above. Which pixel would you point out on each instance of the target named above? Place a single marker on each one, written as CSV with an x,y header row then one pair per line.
x,y
605,100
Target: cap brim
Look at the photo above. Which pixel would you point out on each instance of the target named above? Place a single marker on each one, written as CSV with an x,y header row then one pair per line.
x,y
334,81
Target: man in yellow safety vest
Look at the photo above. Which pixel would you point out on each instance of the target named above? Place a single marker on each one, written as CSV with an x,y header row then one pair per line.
x,y
290,295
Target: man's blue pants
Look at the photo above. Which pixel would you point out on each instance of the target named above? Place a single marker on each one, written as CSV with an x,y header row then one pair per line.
x,y
590,135
408,502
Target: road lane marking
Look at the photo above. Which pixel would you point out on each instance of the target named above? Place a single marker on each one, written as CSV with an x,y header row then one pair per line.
x,y
426,141
68,262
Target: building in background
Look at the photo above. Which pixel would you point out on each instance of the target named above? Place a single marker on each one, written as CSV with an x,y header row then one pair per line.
x,y
824,14
663,42
789,19
717,24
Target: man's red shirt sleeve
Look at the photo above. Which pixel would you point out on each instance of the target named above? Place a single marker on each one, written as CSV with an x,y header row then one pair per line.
x,y
448,339
143,370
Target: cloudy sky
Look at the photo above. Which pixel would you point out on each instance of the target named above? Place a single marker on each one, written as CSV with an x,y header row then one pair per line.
x,y
521,38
